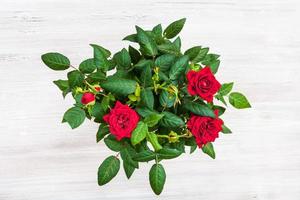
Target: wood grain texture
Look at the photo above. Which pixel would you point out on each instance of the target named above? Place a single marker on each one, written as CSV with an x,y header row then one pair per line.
x,y
260,47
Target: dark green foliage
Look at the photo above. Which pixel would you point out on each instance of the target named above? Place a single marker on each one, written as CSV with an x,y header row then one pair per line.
x,y
150,79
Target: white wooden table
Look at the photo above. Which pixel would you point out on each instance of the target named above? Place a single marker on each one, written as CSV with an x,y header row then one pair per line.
x,y
41,159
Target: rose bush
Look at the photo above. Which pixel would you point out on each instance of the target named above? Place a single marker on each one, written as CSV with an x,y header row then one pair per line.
x,y
157,102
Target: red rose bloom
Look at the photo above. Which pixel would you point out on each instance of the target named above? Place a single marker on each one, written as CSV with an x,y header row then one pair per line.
x,y
88,98
205,129
122,120
202,83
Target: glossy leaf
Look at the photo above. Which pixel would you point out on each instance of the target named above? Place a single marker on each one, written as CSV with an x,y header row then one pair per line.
x,y
157,178
75,78
152,138
147,98
145,156
199,109
164,62
152,119
168,153
209,150
148,46
178,67
119,86
166,99
100,57
123,59
225,88
171,120
108,170
113,144
56,61
74,117
238,100
87,66
174,28
103,130
226,130
63,85
139,133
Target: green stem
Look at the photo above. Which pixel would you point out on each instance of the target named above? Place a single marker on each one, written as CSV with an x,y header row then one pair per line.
x,y
163,136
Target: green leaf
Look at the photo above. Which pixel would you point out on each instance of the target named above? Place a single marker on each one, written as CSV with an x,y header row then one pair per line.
x,y
75,78
177,43
134,54
225,88
171,120
152,119
168,153
102,132
56,61
131,38
193,148
147,98
113,144
74,116
144,112
100,57
178,67
97,76
209,150
129,169
157,32
225,130
196,54
214,66
166,99
139,133
142,64
212,61
157,178
169,48
152,138
199,109
144,156
238,100
174,28
98,111
221,98
210,58
104,51
63,85
119,86
123,59
146,76
162,76
108,170
126,157
148,46
164,62
87,66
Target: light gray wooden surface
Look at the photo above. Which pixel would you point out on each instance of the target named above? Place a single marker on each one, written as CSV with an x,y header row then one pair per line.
x,y
41,159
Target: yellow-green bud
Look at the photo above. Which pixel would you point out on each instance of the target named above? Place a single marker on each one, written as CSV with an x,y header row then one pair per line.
x,y
173,137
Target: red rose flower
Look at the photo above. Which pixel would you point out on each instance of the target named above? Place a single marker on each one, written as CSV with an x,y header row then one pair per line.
x,y
202,83
88,98
205,129
122,120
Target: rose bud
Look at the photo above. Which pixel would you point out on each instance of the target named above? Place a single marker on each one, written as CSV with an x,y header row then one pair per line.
x,y
88,98
98,88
